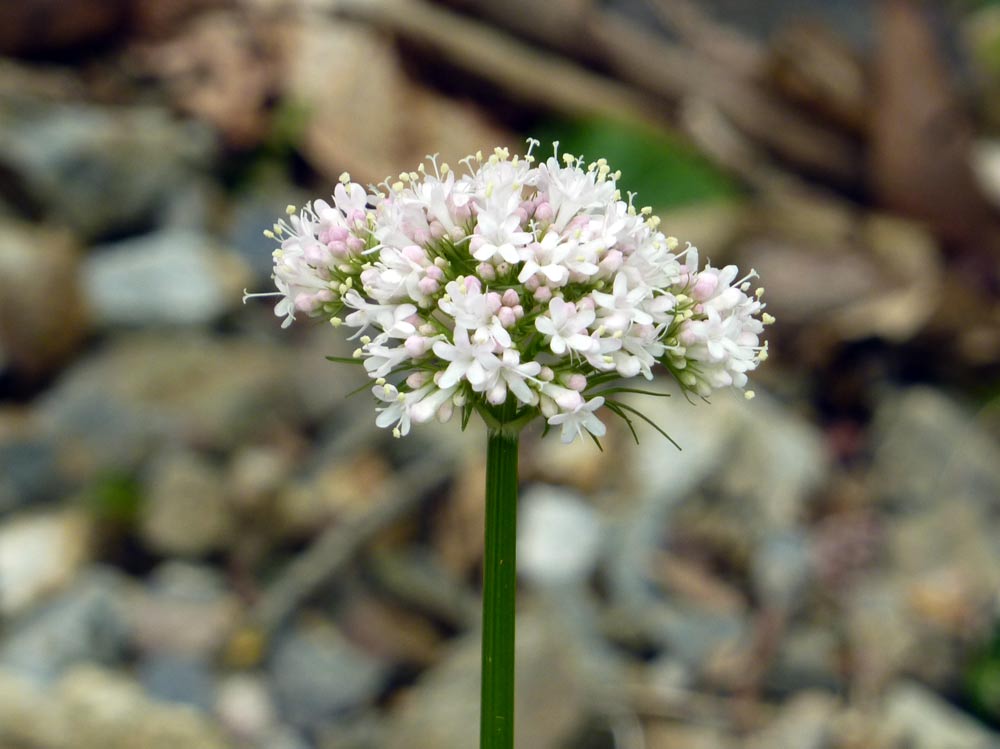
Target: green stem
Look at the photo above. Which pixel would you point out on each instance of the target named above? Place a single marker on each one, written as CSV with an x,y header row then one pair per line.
x,y
499,585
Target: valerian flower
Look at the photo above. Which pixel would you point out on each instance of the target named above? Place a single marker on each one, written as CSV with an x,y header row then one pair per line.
x,y
536,283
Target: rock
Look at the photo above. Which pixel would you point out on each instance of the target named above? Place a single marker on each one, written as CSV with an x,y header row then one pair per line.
x,y
186,512
167,677
221,68
809,657
42,319
87,623
245,707
29,471
116,406
559,536
746,471
39,554
254,214
806,722
28,716
781,568
185,610
388,631
77,163
442,709
171,277
930,450
680,736
319,675
392,121
922,720
110,710
579,465
339,490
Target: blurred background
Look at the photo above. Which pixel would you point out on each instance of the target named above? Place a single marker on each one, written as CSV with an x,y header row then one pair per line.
x,y
205,543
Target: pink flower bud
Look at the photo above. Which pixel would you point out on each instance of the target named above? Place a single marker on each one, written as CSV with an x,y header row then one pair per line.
x,y
611,262
507,317
543,294
414,254
428,286
338,248
518,311
355,244
576,382
705,286
486,271
437,229
417,379
544,212
493,303
432,271
416,345
473,285
510,298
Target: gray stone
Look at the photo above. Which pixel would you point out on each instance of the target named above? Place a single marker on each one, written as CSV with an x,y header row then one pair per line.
x,y
807,721
171,277
246,709
752,468
42,316
29,472
186,512
106,709
930,450
100,170
920,719
559,536
114,407
319,675
442,711
167,677
185,610
809,657
782,568
40,553
87,623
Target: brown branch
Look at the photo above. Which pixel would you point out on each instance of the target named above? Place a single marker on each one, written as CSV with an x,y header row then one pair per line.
x,y
532,75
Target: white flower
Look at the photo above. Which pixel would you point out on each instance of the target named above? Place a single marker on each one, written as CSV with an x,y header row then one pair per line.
x,y
468,360
475,311
565,326
511,375
581,418
623,306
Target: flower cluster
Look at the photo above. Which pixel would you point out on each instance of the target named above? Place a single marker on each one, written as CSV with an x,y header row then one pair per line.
x,y
512,290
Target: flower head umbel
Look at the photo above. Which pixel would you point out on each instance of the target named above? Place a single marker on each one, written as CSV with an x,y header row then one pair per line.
x,y
515,283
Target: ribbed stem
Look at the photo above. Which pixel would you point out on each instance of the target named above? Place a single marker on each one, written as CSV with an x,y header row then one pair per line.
x,y
499,588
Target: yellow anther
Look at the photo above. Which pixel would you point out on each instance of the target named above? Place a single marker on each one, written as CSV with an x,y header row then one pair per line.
x,y
344,178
